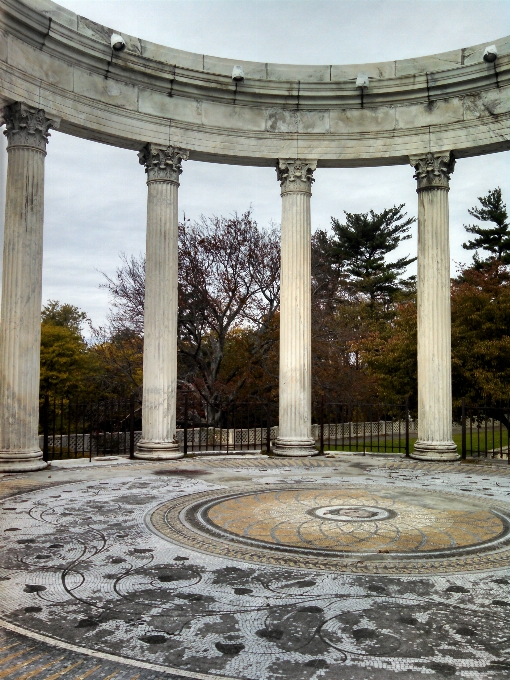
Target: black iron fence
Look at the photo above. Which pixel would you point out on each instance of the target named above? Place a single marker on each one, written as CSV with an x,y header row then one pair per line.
x,y
71,429
485,431
225,425
364,427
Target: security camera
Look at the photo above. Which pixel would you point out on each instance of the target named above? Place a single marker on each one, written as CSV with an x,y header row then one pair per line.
x,y
237,74
490,54
117,42
362,80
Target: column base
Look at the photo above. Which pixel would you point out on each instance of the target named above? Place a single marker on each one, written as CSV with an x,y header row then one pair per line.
x,y
438,451
147,450
22,461
287,446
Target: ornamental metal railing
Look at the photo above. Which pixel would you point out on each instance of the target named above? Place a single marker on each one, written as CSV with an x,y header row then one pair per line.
x,y
364,427
485,432
76,429
70,429
225,425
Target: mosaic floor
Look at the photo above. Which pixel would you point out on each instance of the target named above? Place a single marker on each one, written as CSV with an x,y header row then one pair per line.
x,y
256,569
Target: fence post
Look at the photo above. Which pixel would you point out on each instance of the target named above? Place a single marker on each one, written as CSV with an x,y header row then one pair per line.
x,y
91,428
46,413
464,447
185,443
322,426
507,439
132,426
268,429
407,427
503,415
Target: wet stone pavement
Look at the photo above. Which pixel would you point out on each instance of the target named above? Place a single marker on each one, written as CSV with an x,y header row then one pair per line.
x,y
256,568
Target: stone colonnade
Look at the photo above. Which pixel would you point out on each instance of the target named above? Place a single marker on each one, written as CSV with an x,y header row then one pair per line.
x,y
27,134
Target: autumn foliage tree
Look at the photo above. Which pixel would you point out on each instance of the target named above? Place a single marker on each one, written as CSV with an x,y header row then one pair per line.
x,y
480,342
119,343
364,334
121,358
68,367
481,334
337,321
388,354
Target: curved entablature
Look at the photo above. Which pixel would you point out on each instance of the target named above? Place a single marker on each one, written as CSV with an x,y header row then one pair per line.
x,y
52,59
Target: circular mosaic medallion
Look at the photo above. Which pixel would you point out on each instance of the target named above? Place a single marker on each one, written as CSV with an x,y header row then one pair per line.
x,y
351,513
352,529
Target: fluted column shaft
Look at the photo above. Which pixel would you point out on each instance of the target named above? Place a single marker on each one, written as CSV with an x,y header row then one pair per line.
x,y
163,167
435,440
20,327
295,417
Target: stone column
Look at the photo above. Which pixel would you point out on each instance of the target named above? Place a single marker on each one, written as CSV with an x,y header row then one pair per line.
x,y
20,327
3,178
435,441
163,167
295,426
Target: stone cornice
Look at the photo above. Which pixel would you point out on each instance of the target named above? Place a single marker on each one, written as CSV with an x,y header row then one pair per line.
x,y
63,63
433,170
295,175
84,43
162,164
27,126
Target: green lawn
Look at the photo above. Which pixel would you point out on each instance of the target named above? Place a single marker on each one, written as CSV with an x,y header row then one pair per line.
x,y
391,447
476,442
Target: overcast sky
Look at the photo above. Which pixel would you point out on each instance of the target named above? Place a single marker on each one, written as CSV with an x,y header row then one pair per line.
x,y
96,195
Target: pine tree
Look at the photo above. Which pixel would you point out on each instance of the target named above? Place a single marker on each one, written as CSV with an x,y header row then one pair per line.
x,y
360,247
494,238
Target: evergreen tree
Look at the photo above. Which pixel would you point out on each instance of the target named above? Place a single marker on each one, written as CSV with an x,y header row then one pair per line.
x,y
493,238
360,247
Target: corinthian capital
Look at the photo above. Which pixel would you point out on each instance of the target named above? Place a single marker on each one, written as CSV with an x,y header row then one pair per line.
x,y
27,126
433,169
162,164
295,175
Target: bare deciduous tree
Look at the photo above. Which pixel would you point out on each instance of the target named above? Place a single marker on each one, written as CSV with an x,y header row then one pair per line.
x,y
127,293
229,273
228,278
